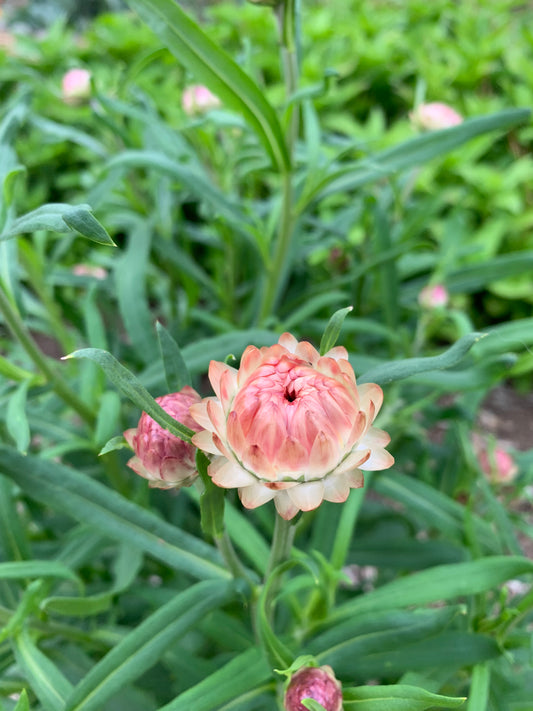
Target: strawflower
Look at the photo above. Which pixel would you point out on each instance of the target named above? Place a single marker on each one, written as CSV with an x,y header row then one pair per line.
x,y
318,683
161,457
433,297
435,116
76,85
197,99
290,425
497,464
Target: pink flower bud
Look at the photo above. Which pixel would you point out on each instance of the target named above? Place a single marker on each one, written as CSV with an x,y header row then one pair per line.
x,y
90,271
76,85
318,683
497,464
197,99
433,297
291,425
435,116
161,457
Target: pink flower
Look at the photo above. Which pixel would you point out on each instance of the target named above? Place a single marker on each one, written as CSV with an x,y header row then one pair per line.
x,y
318,683
433,297
90,271
497,464
161,457
290,425
197,99
76,85
435,116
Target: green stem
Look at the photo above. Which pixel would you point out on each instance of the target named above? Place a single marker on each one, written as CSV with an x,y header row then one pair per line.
x,y
281,543
286,14
226,549
60,387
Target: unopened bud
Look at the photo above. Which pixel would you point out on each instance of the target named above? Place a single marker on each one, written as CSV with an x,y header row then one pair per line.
x,y
317,683
197,99
433,297
161,457
435,116
76,85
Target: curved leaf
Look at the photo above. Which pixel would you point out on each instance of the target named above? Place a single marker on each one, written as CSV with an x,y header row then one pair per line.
x,y
214,68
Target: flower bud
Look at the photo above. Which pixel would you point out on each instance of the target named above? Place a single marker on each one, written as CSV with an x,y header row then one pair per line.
x,y
161,457
197,99
435,116
318,683
433,297
497,465
76,85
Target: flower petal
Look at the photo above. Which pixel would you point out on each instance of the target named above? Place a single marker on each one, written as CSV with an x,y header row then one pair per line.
x,y
255,495
229,475
307,496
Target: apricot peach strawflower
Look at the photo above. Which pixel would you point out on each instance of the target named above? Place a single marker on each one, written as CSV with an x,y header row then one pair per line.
x,y
161,457
290,425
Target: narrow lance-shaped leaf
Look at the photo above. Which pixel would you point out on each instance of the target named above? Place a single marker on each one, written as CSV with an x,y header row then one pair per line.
x,y
398,370
89,501
396,697
62,218
129,386
214,68
333,329
142,647
414,152
176,372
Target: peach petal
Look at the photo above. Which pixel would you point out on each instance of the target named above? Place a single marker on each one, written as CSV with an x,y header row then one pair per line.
x,y
216,415
338,353
288,341
375,437
307,496
251,359
255,495
307,352
284,506
379,459
234,433
204,441
357,429
353,461
370,393
228,388
254,459
336,488
199,413
216,370
324,455
229,475
292,455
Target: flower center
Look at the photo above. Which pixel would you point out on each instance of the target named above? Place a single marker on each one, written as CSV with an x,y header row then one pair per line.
x,y
289,393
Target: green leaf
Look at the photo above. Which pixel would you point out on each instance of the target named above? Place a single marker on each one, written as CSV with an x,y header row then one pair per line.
x,y
89,501
16,418
241,675
414,152
211,501
398,370
333,329
129,386
312,705
45,679
143,647
62,218
444,582
176,373
22,704
108,418
14,372
479,688
398,697
36,569
214,68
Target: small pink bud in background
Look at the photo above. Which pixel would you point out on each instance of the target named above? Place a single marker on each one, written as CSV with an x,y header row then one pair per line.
x,y
7,42
90,271
435,116
433,297
197,99
76,85
161,457
497,464
318,683
292,426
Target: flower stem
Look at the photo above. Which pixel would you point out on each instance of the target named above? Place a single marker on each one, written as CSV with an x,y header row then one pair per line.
x,y
286,14
21,333
281,543
227,551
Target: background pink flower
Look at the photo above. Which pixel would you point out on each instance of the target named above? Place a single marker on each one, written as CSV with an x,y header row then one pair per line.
x,y
435,116
161,457
290,425
433,297
197,99
76,84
